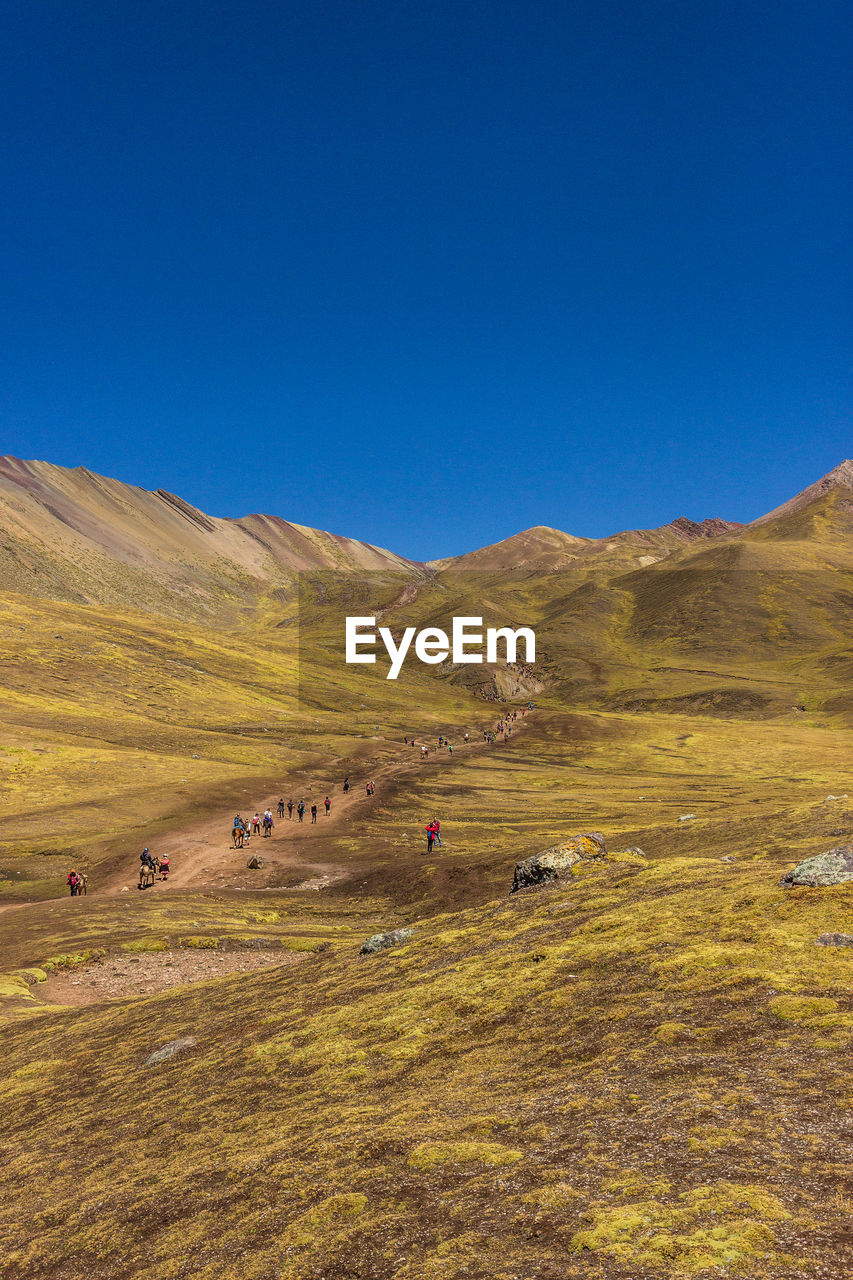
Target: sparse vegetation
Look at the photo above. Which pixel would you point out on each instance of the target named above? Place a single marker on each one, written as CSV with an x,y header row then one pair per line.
x,y
637,1072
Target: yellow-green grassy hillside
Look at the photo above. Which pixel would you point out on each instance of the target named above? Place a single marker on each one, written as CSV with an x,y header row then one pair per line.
x,y
639,1073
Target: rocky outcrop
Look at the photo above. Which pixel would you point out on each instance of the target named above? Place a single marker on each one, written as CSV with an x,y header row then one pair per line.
x,y
835,940
255,863
382,941
712,527
833,867
553,863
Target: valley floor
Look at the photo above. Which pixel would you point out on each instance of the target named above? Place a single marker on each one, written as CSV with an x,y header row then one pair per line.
x,y
641,1073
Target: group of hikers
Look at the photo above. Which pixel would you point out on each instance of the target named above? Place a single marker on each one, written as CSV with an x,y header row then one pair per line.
x,y
501,731
301,808
151,867
252,826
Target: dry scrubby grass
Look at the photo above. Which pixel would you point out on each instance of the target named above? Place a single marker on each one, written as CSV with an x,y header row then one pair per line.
x,y
642,1074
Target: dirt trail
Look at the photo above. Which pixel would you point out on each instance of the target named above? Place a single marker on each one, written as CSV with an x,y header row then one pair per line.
x,y
202,852
202,856
124,976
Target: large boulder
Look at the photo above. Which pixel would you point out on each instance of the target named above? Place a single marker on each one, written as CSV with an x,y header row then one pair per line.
x,y
553,863
382,941
833,867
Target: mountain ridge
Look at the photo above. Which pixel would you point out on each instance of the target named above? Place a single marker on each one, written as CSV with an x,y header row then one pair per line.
x,y
77,535
840,477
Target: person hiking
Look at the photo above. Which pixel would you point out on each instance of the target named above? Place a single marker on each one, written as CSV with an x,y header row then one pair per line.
x,y
313,813
450,747
436,827
290,808
73,882
327,805
268,823
256,824
346,785
430,835
300,810
281,807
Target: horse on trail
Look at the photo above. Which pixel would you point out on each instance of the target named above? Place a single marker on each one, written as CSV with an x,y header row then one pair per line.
x,y
147,874
237,835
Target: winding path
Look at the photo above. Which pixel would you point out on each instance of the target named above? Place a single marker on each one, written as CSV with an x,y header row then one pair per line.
x,y
202,855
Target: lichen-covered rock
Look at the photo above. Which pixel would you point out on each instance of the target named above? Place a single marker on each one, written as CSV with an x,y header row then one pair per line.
x,y
558,861
169,1050
836,940
382,941
255,863
833,867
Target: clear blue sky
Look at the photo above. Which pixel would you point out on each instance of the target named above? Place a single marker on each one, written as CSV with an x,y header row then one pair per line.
x,y
428,274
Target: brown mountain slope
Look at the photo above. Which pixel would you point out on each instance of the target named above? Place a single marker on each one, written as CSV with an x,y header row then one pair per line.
x,y
816,512
536,548
73,535
819,512
542,549
839,481
820,525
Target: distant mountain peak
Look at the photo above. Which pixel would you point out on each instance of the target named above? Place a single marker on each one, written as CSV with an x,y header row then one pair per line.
x,y
840,477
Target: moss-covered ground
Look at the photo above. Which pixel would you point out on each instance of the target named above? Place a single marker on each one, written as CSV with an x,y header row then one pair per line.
x,y
641,1073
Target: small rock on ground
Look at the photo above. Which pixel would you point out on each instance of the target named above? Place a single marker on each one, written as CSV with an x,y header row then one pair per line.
x,y
169,1050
